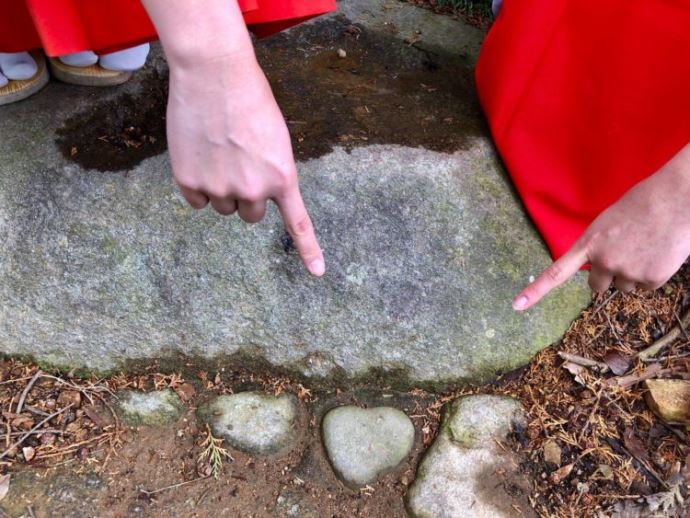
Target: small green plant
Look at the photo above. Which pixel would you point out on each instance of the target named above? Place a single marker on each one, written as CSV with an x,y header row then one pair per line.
x,y
213,453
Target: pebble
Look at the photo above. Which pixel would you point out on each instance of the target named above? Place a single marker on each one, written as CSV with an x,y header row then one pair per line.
x,y
253,422
157,408
362,444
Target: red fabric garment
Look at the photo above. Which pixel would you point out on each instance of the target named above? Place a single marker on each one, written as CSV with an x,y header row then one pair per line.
x,y
66,26
585,99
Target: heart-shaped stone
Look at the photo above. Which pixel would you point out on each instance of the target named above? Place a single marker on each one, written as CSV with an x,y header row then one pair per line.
x,y
363,444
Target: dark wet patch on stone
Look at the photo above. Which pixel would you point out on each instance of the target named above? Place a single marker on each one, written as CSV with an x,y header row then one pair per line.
x,y
383,91
117,134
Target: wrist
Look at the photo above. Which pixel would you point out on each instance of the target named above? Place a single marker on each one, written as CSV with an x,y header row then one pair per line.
x,y
201,32
679,168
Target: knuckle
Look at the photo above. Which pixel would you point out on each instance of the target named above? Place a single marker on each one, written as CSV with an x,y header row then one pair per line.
x,y
217,190
187,183
301,226
252,196
554,273
655,280
607,263
286,179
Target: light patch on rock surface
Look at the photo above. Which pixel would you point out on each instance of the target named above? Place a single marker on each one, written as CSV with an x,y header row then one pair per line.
x,y
156,408
362,444
459,474
252,422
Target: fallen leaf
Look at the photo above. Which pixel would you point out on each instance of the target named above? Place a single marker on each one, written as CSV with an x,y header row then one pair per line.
x,y
4,485
606,471
22,422
92,414
186,391
69,397
634,445
575,370
552,453
669,399
618,363
29,453
557,476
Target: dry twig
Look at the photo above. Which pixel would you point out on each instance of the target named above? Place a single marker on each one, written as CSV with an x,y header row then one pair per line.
x,y
26,391
27,434
670,337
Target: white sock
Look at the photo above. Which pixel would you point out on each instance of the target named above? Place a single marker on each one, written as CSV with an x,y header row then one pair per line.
x,y
80,59
126,60
17,66
3,80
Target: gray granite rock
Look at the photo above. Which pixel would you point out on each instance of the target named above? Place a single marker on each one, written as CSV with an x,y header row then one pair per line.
x,y
253,422
460,471
425,251
362,444
156,408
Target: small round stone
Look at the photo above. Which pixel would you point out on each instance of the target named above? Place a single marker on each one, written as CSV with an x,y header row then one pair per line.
x,y
253,422
156,408
362,444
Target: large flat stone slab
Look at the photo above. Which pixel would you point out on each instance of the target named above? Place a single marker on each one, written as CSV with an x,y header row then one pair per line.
x,y
425,241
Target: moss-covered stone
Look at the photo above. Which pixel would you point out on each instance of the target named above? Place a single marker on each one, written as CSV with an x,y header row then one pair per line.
x,y
157,408
458,472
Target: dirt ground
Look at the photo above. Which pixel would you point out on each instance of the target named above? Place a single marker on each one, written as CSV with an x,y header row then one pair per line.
x,y
128,472
614,454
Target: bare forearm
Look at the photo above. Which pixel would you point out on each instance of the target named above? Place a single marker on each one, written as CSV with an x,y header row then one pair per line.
x,y
680,165
192,31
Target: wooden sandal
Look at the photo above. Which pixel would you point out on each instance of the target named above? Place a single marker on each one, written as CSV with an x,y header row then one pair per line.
x,y
17,90
93,75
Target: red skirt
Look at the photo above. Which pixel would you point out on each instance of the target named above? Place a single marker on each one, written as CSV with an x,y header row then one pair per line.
x,y
585,99
66,26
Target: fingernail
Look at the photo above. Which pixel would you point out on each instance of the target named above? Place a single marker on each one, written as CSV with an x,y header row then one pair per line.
x,y
520,303
317,267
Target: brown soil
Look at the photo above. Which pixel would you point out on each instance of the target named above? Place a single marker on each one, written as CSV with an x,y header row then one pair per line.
x,y
382,92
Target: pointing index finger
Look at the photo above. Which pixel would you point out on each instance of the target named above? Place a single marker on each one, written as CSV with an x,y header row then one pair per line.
x,y
299,226
555,275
